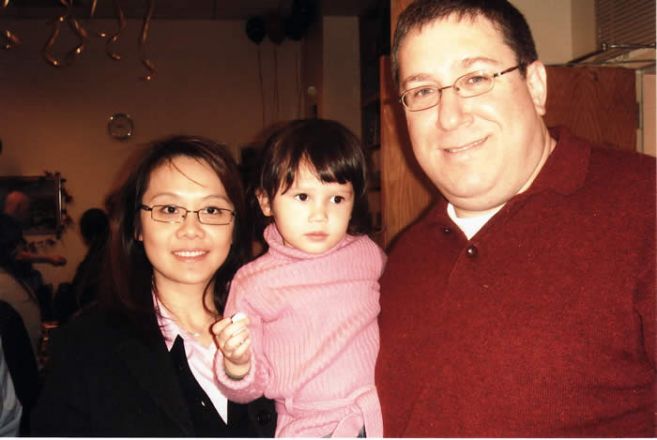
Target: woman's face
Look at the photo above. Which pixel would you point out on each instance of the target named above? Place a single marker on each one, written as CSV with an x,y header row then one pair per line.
x,y
184,255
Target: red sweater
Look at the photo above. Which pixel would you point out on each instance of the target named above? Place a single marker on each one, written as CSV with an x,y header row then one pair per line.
x,y
543,324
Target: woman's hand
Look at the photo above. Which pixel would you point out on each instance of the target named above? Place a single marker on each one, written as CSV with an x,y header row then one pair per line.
x,y
233,338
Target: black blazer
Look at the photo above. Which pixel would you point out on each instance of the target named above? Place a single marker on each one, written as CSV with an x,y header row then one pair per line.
x,y
105,378
20,360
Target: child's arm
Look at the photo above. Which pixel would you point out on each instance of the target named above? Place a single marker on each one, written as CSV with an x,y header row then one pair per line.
x,y
233,339
241,375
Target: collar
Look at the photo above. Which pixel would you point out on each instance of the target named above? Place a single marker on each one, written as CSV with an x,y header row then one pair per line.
x,y
278,248
168,326
565,169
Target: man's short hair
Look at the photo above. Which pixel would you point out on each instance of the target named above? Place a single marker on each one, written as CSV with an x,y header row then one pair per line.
x,y
501,13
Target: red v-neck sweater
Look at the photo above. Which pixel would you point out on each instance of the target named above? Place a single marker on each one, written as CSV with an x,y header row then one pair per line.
x,y
543,324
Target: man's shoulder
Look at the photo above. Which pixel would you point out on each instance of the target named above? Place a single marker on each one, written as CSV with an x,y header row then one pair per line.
x,y
622,170
433,218
622,159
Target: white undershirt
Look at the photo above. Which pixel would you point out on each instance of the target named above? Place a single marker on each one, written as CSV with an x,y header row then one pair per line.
x,y
470,225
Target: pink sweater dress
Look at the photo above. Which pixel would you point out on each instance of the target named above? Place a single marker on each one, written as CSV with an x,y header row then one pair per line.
x,y
315,336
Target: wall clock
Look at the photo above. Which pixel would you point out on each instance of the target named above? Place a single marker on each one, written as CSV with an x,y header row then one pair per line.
x,y
120,126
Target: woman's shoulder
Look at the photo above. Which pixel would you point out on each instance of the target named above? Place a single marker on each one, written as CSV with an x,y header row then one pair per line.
x,y
94,327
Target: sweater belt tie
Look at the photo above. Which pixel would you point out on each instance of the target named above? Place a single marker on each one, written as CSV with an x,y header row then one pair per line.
x,y
364,398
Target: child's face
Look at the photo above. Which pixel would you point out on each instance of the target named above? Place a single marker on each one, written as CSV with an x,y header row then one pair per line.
x,y
312,216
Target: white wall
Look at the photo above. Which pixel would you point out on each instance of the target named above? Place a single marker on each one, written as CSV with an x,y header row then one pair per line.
x,y
206,83
562,29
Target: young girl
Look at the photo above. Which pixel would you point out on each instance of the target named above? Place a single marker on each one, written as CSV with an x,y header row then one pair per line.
x,y
308,335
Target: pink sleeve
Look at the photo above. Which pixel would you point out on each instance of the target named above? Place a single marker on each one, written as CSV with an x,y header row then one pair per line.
x,y
254,384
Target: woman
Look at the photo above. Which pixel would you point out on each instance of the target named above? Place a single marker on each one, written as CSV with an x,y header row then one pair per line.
x,y
140,362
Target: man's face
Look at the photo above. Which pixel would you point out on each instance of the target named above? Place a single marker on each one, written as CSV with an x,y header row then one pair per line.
x,y
479,151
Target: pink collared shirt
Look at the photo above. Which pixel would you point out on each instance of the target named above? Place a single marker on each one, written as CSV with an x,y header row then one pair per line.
x,y
199,357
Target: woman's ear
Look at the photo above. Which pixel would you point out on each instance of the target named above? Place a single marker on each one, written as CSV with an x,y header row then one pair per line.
x,y
265,205
137,234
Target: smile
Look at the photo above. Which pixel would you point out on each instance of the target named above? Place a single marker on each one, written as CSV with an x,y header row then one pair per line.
x,y
189,254
465,147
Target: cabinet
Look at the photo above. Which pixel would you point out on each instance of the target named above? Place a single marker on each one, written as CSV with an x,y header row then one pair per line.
x,y
374,30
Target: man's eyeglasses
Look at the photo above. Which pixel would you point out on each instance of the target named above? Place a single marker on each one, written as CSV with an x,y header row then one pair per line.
x,y
210,215
466,86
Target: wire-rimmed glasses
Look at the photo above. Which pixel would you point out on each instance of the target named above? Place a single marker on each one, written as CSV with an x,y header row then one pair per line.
x,y
466,86
210,215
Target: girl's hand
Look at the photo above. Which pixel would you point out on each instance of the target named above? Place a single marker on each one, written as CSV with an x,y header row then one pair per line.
x,y
233,338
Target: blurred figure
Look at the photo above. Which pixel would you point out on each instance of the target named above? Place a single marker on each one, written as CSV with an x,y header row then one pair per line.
x,y
83,290
17,207
20,361
15,214
94,227
10,408
13,288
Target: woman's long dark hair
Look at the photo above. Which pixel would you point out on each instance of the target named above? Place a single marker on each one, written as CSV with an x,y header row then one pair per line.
x,y
128,280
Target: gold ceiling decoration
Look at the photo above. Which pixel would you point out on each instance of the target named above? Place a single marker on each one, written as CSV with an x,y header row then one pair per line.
x,y
9,39
67,19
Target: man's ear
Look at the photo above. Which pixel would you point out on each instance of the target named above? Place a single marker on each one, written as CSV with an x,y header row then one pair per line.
x,y
264,202
537,84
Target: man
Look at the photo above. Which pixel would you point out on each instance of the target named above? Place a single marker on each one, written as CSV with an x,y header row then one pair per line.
x,y
17,206
523,304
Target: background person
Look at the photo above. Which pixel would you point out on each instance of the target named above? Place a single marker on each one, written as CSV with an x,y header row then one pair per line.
x,y
140,362
15,214
17,206
523,304
19,359
11,409
14,290
85,286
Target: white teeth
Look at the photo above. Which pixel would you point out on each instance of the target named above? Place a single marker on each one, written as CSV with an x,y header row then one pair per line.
x,y
456,150
463,148
189,254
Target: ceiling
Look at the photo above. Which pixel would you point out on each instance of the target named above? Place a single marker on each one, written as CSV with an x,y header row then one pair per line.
x,y
183,9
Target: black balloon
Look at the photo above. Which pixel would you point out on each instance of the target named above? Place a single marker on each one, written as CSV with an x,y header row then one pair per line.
x,y
274,26
294,28
256,29
300,19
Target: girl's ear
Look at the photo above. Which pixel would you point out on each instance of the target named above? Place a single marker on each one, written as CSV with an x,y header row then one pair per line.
x,y
264,202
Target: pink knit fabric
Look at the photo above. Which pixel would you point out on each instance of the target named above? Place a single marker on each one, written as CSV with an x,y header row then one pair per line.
x,y
315,336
